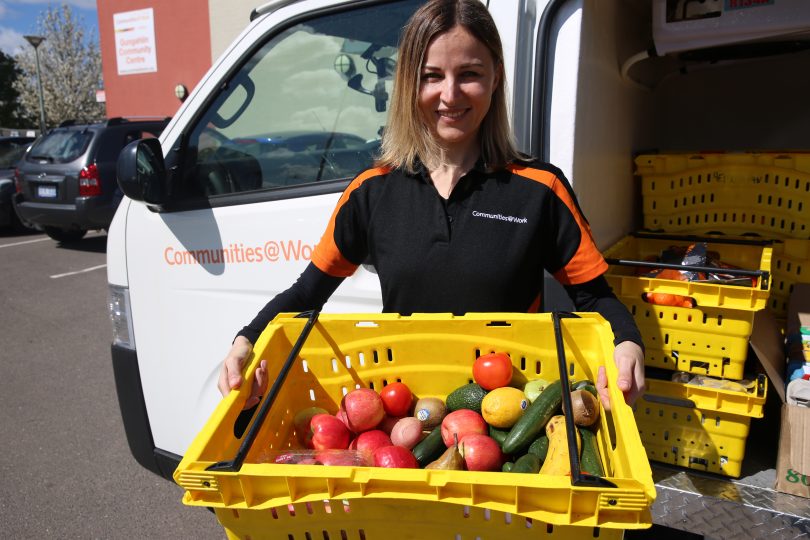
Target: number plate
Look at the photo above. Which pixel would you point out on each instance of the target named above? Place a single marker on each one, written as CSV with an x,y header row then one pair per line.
x,y
46,192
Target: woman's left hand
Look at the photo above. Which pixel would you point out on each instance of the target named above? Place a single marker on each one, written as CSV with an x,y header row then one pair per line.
x,y
629,358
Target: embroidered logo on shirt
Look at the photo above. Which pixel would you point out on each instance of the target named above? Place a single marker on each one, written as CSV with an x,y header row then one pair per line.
x,y
500,217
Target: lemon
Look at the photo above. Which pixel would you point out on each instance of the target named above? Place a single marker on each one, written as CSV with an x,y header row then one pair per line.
x,y
503,406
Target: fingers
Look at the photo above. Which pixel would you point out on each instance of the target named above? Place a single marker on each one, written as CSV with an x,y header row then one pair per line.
x,y
601,387
259,385
629,359
230,376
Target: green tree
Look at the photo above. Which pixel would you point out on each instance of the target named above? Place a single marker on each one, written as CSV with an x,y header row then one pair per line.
x,y
70,63
11,114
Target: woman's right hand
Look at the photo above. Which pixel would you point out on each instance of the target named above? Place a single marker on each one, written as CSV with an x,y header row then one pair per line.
x,y
230,377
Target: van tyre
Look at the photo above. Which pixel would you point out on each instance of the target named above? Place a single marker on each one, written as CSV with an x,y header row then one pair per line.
x,y
65,235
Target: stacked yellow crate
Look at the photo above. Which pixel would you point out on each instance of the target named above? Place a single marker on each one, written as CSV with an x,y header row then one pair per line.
x,y
752,210
763,194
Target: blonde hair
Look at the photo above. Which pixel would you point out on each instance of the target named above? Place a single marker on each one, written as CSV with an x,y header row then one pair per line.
x,y
407,138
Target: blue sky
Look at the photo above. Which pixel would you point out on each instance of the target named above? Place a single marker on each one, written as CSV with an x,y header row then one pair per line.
x,y
19,17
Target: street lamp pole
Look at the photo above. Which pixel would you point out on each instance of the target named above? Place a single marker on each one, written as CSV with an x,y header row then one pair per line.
x,y
35,42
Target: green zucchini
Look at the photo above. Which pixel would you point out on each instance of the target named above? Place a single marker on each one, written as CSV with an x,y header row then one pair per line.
x,y
540,447
507,466
498,434
528,463
531,424
430,448
589,462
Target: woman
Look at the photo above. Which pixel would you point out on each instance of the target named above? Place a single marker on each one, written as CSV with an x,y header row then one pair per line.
x,y
453,218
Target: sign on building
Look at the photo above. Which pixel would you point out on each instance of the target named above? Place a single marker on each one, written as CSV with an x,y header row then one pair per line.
x,y
135,41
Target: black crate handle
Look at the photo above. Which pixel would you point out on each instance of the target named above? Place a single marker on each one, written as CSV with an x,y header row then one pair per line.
x,y
236,463
763,274
578,478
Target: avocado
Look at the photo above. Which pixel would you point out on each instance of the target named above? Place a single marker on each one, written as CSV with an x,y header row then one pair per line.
x,y
468,396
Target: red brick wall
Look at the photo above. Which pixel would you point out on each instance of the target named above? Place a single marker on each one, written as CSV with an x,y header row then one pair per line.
x,y
183,48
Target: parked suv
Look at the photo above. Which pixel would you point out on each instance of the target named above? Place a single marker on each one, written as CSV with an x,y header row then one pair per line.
x,y
66,183
11,151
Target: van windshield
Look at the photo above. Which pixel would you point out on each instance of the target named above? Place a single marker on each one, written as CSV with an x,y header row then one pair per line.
x,y
308,106
60,146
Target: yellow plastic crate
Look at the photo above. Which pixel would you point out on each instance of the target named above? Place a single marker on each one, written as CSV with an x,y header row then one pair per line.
x,y
749,256
739,193
709,339
791,265
433,354
373,519
697,426
705,341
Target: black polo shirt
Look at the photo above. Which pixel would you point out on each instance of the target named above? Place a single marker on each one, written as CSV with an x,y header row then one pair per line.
x,y
483,249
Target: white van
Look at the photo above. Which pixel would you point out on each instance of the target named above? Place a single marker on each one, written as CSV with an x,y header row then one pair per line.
x,y
224,211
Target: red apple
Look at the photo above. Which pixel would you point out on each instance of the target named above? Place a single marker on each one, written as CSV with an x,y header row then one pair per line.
x,y
301,421
395,457
341,415
364,409
368,441
462,422
328,433
481,453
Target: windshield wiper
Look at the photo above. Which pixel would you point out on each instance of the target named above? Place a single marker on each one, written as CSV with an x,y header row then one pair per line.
x,y
49,159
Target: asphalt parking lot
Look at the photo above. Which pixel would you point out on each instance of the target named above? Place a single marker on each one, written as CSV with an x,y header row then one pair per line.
x,y
66,470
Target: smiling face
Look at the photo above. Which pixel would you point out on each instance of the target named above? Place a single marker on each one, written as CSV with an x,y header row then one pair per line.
x,y
458,78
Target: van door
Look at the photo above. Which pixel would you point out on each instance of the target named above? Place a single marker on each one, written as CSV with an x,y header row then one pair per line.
x,y
256,165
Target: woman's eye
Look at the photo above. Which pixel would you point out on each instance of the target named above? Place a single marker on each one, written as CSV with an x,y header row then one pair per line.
x,y
430,76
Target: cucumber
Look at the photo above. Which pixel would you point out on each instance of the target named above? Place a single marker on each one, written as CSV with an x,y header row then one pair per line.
x,y
498,434
508,466
540,447
430,448
531,424
528,463
589,462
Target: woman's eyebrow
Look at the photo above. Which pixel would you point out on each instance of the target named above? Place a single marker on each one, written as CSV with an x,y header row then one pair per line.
x,y
474,63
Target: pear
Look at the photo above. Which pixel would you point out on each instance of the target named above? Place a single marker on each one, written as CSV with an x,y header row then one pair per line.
x,y
450,460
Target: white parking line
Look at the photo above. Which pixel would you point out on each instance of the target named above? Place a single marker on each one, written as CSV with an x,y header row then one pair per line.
x,y
25,242
91,235
56,276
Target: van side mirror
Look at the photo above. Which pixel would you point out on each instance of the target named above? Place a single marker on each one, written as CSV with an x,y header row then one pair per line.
x,y
141,171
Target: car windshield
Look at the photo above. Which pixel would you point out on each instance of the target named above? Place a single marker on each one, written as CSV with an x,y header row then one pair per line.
x,y
61,146
10,154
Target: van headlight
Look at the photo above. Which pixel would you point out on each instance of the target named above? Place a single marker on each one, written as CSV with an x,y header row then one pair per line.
x,y
121,317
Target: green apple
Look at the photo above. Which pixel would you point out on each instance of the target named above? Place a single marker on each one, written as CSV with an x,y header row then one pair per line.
x,y
534,388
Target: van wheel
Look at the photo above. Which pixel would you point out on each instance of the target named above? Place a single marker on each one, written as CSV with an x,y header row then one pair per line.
x,y
65,235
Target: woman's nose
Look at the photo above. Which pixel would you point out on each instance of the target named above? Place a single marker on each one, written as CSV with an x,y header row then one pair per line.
x,y
450,90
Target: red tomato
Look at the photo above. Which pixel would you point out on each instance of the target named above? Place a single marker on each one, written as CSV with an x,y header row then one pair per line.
x,y
492,370
397,399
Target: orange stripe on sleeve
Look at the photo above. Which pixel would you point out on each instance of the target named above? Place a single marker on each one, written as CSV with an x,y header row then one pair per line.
x,y
587,262
326,255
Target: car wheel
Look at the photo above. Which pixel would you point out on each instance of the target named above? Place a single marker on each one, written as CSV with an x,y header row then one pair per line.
x,y
65,235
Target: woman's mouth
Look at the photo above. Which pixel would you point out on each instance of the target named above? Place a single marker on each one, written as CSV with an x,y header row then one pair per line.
x,y
451,115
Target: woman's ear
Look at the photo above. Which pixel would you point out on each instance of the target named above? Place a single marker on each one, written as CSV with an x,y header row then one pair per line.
x,y
496,82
